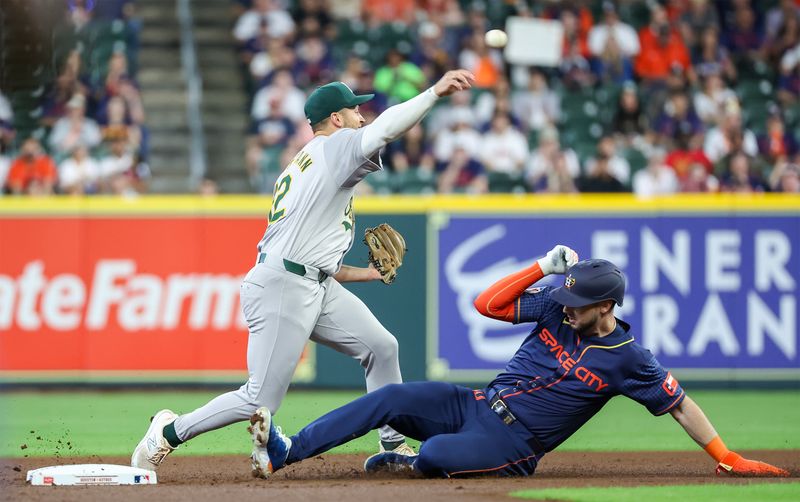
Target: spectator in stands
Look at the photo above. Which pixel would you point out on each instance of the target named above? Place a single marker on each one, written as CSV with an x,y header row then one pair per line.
x,y
551,168
271,136
779,16
5,166
75,129
777,143
487,103
485,63
698,180
662,48
444,116
740,176
132,182
576,72
538,106
728,136
700,16
461,173
613,165
785,178
789,81
461,135
678,119
576,21
267,13
389,11
314,63
744,39
117,162
79,174
399,79
711,58
208,188
119,83
657,179
599,177
688,152
283,90
613,45
629,121
67,84
7,132
787,37
116,125
411,151
711,100
430,53
33,172
503,148
313,18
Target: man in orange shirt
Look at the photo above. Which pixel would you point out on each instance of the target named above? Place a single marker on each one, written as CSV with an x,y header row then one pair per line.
x,y
662,48
33,172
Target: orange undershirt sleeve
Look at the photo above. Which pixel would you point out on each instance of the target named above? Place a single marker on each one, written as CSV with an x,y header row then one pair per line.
x,y
498,301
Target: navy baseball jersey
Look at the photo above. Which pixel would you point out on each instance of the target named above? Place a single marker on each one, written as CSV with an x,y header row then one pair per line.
x,y
557,381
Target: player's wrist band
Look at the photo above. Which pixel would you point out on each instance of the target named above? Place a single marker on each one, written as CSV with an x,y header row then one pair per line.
x,y
717,449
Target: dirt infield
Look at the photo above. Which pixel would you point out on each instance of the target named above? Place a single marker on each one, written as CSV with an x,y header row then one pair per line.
x,y
340,478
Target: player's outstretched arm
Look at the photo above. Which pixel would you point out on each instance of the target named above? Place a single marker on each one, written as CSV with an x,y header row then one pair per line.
x,y
398,119
699,428
498,300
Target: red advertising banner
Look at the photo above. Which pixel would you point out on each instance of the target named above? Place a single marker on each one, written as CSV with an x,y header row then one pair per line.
x,y
124,293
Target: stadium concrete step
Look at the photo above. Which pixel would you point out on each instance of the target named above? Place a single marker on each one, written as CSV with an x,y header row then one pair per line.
x,y
164,96
157,57
225,103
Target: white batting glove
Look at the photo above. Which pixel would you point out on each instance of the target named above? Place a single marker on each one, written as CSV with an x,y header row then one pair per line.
x,y
558,260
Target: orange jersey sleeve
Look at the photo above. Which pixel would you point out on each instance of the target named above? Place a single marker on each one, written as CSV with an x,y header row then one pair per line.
x,y
498,301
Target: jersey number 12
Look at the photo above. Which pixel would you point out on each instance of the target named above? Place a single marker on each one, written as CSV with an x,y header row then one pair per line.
x,y
281,188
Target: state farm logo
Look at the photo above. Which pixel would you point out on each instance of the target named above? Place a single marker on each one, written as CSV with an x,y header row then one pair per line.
x,y
118,294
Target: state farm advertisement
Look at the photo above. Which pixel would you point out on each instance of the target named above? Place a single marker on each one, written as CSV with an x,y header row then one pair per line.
x,y
124,293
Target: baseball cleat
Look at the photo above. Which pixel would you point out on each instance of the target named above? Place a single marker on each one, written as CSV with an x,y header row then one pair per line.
x,y
402,449
270,445
390,461
154,448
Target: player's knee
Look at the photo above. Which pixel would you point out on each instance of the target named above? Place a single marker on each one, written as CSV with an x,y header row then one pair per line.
x,y
386,350
432,461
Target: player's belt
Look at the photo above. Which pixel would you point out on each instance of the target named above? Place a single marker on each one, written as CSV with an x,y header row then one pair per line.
x,y
497,405
298,268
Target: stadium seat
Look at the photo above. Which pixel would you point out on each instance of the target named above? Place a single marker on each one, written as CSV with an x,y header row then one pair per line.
x,y
382,182
416,181
506,183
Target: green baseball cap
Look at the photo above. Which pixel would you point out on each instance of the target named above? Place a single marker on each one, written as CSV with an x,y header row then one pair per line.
x,y
331,98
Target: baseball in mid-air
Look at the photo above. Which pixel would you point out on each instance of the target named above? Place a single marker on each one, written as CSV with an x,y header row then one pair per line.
x,y
496,38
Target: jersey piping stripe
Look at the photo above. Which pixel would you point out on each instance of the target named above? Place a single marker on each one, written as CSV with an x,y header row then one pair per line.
x,y
492,468
672,404
517,309
565,373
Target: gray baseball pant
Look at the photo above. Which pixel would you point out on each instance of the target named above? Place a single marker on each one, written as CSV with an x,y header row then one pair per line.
x,y
282,309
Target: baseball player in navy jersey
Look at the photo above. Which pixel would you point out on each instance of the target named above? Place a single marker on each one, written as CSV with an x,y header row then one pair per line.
x,y
293,292
577,357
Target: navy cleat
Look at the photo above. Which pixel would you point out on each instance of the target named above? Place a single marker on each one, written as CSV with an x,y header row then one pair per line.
x,y
270,445
389,461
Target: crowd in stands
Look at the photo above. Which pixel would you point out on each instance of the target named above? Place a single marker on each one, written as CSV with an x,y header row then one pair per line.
x,y
87,134
652,97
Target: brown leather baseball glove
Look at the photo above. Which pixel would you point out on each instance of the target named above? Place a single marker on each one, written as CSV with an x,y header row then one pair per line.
x,y
386,250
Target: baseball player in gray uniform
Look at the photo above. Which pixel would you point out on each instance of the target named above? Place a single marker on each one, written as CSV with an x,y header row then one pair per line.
x,y
294,291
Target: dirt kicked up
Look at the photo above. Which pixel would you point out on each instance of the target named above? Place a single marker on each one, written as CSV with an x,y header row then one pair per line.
x,y
341,478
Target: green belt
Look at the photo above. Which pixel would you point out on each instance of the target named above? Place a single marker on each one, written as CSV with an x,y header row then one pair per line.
x,y
295,268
